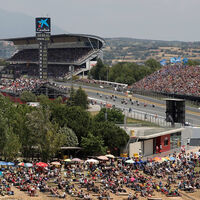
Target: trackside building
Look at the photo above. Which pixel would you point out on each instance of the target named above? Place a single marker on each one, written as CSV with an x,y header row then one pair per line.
x,y
151,140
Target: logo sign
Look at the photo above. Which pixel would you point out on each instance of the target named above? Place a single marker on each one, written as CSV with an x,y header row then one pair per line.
x,y
43,24
43,36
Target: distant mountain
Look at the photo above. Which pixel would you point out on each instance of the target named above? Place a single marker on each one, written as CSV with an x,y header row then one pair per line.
x,y
19,25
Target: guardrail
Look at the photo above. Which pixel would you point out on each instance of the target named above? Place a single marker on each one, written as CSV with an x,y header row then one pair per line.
x,y
136,114
144,116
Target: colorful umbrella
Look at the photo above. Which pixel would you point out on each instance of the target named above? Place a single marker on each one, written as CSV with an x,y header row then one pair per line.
x,y
67,160
3,163
157,159
132,179
163,159
21,164
55,163
28,165
76,160
10,164
92,161
172,158
102,158
130,161
41,164
167,158
110,156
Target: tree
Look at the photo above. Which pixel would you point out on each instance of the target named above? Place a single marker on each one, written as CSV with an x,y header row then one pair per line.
x,y
20,128
12,145
45,102
128,72
79,120
81,99
193,62
113,136
7,120
28,96
78,98
113,115
46,128
93,145
3,62
58,112
3,128
99,71
43,135
153,64
71,100
71,139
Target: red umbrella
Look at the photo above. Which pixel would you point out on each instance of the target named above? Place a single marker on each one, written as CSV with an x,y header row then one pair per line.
x,y
41,164
21,164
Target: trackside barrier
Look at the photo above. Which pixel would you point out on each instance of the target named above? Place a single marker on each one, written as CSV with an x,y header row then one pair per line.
x,y
153,118
136,114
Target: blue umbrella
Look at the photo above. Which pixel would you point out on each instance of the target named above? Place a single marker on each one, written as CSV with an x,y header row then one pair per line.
x,y
10,164
3,163
137,162
172,158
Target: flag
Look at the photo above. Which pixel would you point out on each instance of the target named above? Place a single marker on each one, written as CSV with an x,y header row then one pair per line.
x,y
185,60
178,60
163,62
173,60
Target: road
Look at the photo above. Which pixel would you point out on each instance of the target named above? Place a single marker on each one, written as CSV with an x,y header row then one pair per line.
x,y
103,95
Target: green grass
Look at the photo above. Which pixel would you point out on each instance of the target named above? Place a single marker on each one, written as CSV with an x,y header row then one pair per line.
x,y
140,122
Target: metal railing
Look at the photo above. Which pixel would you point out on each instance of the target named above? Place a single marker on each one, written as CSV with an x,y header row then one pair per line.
x,y
136,114
153,118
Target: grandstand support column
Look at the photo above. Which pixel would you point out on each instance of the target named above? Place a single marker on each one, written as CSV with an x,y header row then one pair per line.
x,y
71,69
107,72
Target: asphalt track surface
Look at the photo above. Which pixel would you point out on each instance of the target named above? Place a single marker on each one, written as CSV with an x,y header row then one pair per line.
x,y
103,95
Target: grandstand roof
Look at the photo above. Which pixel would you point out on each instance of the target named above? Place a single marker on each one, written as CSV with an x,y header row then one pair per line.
x,y
56,39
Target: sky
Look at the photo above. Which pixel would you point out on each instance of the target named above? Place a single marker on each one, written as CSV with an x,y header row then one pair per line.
x,y
142,19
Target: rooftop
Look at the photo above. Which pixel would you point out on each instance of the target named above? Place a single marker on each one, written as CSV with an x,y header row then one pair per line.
x,y
150,132
156,132
56,39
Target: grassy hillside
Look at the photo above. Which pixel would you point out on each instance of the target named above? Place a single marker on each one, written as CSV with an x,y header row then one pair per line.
x,y
139,50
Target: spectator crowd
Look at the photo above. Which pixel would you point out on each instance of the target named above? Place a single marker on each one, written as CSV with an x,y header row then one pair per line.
x,y
26,84
175,79
110,178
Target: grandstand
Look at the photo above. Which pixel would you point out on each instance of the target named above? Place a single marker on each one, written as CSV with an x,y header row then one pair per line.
x,y
64,50
180,81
